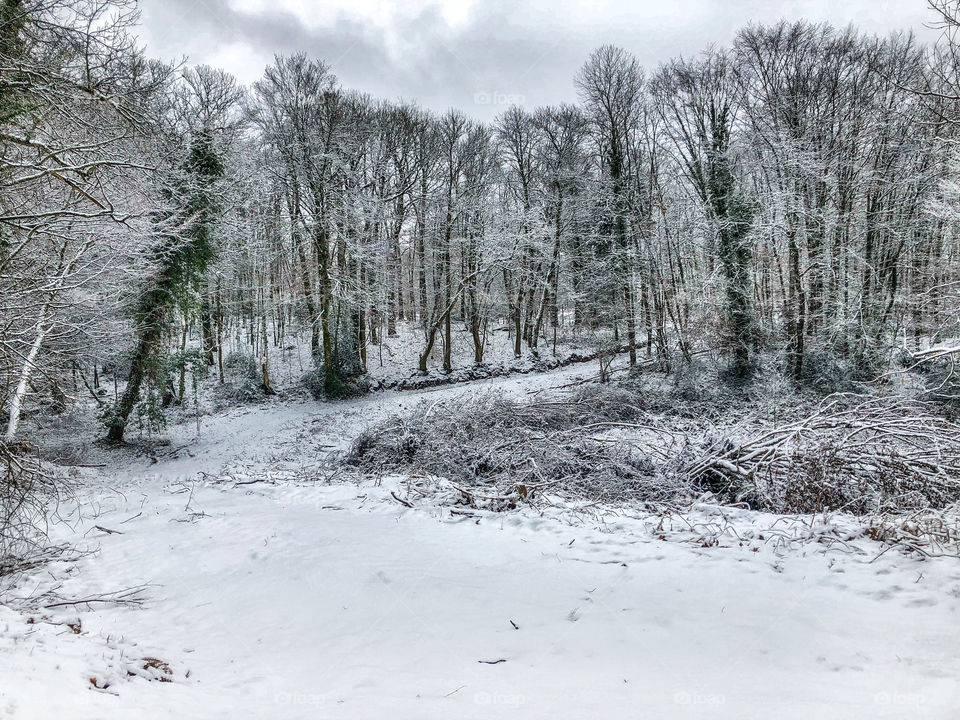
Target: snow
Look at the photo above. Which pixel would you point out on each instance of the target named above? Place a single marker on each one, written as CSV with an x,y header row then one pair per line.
x,y
313,595
394,360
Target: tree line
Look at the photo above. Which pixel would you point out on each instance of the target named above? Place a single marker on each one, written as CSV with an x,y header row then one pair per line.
x,y
788,201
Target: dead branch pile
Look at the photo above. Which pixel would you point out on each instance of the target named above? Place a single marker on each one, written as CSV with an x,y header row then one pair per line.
x,y
515,450
852,453
855,453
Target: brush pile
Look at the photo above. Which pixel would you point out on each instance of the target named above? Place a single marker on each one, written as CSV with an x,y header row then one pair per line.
x,y
853,453
593,446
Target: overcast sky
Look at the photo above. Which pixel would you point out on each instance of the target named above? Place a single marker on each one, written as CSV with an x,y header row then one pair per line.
x,y
472,54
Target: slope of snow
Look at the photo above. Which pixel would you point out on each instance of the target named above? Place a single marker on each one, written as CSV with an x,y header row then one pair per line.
x,y
312,597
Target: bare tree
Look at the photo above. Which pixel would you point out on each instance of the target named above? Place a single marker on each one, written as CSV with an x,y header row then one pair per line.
x,y
611,85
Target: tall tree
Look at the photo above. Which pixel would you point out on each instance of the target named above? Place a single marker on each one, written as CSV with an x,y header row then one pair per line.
x,y
699,103
611,86
186,231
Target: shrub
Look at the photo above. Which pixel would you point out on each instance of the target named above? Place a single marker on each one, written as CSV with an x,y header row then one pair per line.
x,y
243,365
334,388
828,373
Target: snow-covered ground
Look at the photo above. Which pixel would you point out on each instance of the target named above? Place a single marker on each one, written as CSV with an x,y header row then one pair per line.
x,y
394,360
313,596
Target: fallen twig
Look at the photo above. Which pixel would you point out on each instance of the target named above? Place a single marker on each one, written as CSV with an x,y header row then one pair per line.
x,y
108,531
400,500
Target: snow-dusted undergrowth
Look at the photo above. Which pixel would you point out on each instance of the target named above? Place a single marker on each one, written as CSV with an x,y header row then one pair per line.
x,y
245,573
853,453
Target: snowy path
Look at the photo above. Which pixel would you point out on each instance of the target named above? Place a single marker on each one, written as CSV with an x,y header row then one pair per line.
x,y
316,601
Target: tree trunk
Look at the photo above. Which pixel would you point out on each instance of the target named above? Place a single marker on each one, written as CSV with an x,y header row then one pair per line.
x,y
16,402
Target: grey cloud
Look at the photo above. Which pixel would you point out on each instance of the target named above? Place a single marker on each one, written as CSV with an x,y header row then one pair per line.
x,y
515,48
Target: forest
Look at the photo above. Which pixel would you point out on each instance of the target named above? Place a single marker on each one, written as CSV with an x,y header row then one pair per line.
x,y
743,267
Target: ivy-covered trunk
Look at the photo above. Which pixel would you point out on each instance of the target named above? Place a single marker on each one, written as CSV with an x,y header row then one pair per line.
x,y
182,259
150,334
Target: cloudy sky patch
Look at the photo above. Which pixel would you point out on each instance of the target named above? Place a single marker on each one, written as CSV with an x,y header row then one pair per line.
x,y
477,55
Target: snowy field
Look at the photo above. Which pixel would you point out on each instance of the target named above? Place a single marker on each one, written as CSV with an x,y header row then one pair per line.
x,y
260,584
